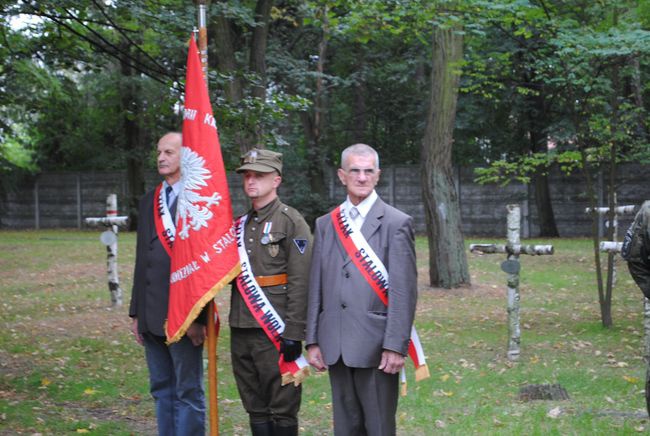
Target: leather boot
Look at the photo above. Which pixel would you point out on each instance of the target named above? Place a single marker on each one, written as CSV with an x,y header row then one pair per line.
x,y
262,429
290,430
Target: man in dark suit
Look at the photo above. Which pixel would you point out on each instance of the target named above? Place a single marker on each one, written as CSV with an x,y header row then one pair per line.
x,y
357,325
175,371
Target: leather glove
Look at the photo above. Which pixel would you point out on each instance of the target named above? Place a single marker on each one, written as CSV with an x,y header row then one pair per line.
x,y
290,349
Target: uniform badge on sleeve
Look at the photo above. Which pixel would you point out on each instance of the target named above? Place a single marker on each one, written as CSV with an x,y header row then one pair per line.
x,y
301,244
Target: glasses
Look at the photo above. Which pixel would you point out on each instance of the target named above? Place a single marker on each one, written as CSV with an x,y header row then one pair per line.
x,y
356,172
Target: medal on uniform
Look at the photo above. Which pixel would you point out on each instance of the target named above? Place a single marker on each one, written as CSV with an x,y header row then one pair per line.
x,y
266,233
267,239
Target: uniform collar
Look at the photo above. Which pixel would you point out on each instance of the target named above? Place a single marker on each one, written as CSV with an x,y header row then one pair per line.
x,y
266,211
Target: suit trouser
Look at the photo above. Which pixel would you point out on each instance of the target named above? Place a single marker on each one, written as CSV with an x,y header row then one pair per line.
x,y
255,366
364,400
176,384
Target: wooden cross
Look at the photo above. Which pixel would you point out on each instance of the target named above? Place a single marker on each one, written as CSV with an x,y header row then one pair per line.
x,y
512,266
109,238
612,247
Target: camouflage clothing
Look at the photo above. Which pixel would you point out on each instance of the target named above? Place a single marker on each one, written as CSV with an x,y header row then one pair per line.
x,y
636,249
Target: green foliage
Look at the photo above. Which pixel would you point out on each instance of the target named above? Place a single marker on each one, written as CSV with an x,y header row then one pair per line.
x,y
523,168
533,72
569,66
15,151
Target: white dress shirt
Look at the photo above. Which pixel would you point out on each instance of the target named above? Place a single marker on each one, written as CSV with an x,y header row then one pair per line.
x,y
362,208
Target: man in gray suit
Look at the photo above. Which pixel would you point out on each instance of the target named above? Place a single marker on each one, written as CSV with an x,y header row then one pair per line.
x,y
362,296
176,370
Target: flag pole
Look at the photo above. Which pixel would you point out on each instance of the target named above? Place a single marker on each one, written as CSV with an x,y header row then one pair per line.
x,y
212,334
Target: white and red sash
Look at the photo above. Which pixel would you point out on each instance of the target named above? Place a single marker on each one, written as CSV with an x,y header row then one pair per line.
x,y
374,271
165,227
264,312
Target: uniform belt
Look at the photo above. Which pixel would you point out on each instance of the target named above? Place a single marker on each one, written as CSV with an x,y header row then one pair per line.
x,y
276,280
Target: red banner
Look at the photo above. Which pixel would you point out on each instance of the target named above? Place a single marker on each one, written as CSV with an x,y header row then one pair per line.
x,y
204,255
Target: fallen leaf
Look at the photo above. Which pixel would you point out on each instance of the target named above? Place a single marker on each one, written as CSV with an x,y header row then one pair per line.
x,y
630,379
89,391
444,377
440,424
45,381
554,413
609,399
82,430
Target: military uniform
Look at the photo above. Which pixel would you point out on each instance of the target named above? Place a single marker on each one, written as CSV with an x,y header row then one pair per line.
x,y
636,251
278,244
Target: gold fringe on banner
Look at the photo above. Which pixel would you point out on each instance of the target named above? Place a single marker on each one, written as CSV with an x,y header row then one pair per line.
x,y
198,306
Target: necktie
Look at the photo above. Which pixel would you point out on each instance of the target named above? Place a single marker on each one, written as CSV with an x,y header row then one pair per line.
x,y
354,213
168,191
172,207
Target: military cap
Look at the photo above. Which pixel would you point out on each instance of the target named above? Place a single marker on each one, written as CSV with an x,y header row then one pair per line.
x,y
262,161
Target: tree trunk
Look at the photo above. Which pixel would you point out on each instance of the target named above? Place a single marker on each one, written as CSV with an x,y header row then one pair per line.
x,y
536,114
359,113
313,123
637,93
605,310
359,118
611,191
249,130
259,41
543,203
545,215
225,58
447,258
136,154
257,64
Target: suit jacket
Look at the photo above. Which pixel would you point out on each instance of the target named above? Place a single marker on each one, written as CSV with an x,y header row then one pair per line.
x,y
345,317
150,293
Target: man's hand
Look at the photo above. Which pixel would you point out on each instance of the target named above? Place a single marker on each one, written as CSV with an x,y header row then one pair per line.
x,y
315,358
134,330
290,349
391,362
196,333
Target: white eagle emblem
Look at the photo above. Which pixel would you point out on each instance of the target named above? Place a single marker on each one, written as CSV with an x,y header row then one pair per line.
x,y
193,177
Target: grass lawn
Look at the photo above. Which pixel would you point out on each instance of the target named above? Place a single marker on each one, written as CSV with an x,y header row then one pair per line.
x,y
68,363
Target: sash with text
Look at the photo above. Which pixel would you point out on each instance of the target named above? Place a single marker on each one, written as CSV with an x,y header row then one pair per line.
x,y
165,227
264,313
374,271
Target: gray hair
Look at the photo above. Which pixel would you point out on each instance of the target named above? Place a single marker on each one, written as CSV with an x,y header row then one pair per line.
x,y
359,150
